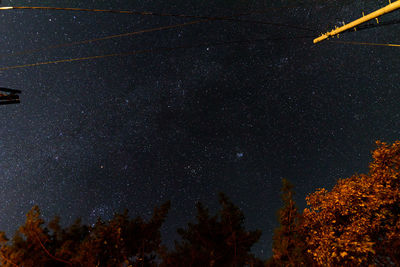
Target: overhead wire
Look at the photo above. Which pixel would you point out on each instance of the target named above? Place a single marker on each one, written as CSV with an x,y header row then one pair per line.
x,y
202,19
366,43
146,13
381,24
151,50
104,38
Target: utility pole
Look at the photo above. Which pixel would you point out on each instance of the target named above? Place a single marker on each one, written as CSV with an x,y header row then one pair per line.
x,y
9,96
374,15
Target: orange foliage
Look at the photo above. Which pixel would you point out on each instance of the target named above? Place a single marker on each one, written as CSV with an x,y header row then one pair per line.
x,y
358,221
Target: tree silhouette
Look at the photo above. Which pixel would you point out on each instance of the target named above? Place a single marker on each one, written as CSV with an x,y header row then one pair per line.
x,y
288,245
30,245
219,240
118,242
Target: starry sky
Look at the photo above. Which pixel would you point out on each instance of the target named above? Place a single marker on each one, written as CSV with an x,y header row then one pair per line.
x,y
97,136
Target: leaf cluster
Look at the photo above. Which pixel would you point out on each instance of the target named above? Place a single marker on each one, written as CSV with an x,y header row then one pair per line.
x,y
357,222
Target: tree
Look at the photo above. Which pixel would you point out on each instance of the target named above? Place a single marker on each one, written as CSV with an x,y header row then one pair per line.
x,y
220,240
358,221
133,242
288,245
30,245
118,242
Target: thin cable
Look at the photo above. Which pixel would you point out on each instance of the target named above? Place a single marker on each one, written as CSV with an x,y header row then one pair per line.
x,y
271,23
381,24
106,38
140,32
145,13
363,43
265,9
152,50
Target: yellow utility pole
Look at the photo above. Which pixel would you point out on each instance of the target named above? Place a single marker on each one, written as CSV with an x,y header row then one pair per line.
x,y
374,15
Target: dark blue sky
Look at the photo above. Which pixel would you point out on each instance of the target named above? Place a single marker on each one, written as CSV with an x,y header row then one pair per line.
x,y
97,136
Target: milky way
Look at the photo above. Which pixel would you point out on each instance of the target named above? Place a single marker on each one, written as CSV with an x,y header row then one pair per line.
x,y
98,136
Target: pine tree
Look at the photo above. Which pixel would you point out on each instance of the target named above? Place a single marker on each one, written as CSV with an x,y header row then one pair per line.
x,y
120,241
219,240
288,245
123,241
32,245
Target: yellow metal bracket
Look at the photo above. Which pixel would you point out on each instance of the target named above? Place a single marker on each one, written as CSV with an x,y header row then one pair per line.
x,y
374,15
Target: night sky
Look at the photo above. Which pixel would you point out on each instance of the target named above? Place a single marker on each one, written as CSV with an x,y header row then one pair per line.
x,y
97,136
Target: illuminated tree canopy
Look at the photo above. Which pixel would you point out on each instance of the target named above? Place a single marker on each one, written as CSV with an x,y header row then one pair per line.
x,y
358,222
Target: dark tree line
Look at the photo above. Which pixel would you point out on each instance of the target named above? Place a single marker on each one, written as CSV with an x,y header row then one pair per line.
x,y
219,240
357,223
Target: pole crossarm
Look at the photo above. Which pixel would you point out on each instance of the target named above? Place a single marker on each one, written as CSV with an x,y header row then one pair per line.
x,y
9,96
389,8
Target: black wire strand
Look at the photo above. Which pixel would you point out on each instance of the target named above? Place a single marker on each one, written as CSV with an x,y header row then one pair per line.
x,y
145,13
158,49
202,19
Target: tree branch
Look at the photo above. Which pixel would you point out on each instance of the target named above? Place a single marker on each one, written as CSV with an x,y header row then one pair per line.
x,y
8,260
48,253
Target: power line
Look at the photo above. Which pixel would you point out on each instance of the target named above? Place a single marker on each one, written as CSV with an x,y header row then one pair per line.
x,y
203,19
381,24
271,23
152,50
146,13
105,38
365,43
